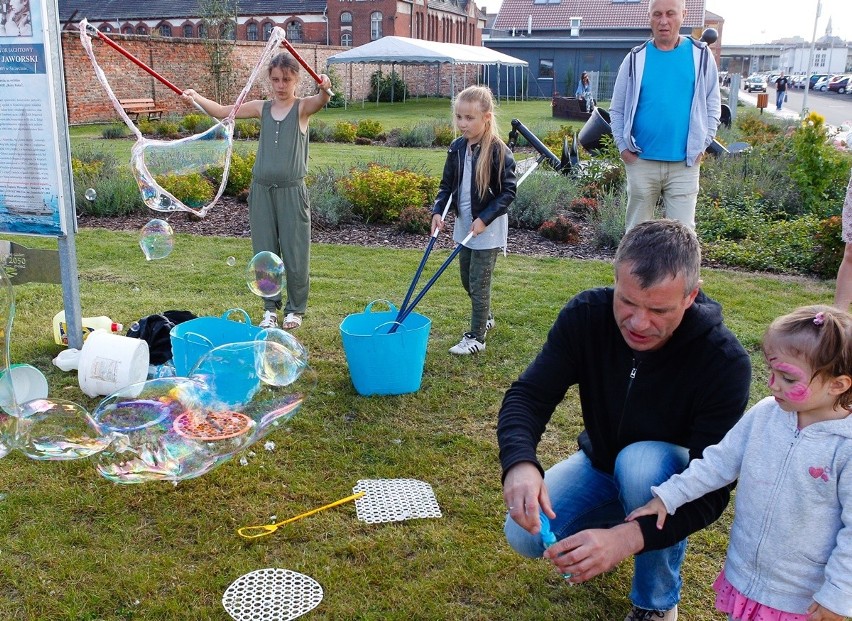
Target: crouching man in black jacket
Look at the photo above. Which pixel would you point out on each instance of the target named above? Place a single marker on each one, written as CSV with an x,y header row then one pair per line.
x,y
660,378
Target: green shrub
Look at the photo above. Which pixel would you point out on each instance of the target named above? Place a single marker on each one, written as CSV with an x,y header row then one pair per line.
x,y
756,129
247,129
166,129
197,123
538,199
417,220
145,126
828,251
338,100
239,174
320,131
191,189
561,230
553,139
344,131
379,194
117,195
329,207
421,135
387,86
114,131
611,218
444,134
369,129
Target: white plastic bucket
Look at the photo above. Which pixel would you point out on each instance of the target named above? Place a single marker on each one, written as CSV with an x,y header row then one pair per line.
x,y
27,382
110,362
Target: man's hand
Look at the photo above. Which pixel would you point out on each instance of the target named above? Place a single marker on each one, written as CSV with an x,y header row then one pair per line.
x,y
628,156
524,492
591,552
818,613
654,506
437,223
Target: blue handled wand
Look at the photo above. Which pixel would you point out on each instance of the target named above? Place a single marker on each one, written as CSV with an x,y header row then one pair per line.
x,y
547,536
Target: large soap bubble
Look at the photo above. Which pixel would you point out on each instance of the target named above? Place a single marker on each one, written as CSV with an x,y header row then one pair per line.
x,y
279,357
265,274
162,166
54,429
157,239
178,428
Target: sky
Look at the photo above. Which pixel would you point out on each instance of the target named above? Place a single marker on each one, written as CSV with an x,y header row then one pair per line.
x,y
763,21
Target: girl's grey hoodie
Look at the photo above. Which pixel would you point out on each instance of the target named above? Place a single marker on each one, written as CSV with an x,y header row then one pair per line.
x,y
791,541
706,102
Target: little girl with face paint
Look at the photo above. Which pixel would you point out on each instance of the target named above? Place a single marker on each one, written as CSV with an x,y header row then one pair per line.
x,y
790,551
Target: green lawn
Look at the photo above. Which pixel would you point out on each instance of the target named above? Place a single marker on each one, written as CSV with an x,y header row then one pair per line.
x,y
76,547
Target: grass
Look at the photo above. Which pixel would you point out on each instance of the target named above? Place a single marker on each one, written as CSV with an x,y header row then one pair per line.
x,y
76,547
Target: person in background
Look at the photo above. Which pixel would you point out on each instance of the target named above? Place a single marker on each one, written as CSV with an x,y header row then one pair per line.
x,y
790,550
660,378
781,83
843,288
584,91
279,211
479,178
665,111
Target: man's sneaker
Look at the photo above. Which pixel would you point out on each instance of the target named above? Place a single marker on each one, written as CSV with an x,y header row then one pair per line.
x,y
270,320
468,345
489,325
640,614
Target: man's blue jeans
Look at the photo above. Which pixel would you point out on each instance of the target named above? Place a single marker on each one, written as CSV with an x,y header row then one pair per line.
x,y
584,497
779,99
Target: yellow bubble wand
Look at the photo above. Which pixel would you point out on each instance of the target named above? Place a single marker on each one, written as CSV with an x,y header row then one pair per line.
x,y
255,532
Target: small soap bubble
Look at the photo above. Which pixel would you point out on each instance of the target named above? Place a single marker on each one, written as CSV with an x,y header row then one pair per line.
x,y
91,194
265,274
165,202
134,327
231,261
157,239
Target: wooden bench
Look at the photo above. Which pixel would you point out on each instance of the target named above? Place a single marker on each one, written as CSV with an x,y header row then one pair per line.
x,y
570,108
134,107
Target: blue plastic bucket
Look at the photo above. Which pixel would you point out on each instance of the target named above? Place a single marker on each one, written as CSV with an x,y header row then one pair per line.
x,y
381,363
194,338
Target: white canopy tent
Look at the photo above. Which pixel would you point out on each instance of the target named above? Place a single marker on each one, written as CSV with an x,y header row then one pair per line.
x,y
407,51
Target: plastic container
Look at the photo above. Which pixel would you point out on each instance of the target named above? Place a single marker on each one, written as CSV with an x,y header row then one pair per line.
x,y
194,338
381,363
90,324
592,133
110,362
27,383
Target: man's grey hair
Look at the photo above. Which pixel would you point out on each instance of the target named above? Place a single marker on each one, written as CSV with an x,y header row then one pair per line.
x,y
682,4
661,249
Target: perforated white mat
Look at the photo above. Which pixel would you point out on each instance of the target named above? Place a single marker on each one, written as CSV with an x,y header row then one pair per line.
x,y
271,595
395,500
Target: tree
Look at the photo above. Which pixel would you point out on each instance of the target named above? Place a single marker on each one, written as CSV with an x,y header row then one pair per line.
x,y
219,18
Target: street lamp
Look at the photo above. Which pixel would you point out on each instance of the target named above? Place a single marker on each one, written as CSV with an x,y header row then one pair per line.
x,y
810,61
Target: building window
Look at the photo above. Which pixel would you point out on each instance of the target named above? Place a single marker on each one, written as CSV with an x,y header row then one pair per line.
x,y
267,30
576,22
188,31
545,69
346,17
294,32
141,30
251,32
165,30
230,31
375,25
128,30
346,39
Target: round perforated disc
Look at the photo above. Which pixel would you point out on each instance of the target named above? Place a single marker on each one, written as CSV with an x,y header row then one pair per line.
x,y
271,595
213,426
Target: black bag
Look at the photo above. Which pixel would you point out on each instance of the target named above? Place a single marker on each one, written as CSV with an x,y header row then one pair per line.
x,y
155,330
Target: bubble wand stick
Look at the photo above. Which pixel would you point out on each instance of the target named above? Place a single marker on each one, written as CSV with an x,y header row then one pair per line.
x,y
139,63
285,43
255,532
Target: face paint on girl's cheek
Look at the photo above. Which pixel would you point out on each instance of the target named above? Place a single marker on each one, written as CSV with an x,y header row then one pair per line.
x,y
800,391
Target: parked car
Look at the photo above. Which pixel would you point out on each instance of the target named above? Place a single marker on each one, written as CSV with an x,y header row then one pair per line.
x,y
821,84
755,83
815,77
839,85
797,81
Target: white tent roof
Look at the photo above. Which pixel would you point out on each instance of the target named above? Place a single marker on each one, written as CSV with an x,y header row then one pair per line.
x,y
404,50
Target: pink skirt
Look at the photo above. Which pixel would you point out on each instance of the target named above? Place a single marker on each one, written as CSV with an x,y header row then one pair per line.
x,y
740,607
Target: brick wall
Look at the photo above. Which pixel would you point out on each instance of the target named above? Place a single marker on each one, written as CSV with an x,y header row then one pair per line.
x,y
185,62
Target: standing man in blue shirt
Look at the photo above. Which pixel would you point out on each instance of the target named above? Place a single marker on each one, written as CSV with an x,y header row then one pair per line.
x,y
665,110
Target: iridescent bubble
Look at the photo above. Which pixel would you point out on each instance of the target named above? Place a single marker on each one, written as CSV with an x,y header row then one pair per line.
x,y
231,261
134,327
157,239
265,274
280,357
91,194
53,429
161,166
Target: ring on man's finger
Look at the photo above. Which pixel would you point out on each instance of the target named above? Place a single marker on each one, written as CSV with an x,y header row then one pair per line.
x,y
511,508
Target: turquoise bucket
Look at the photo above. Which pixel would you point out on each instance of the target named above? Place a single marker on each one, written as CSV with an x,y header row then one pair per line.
x,y
381,363
194,338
